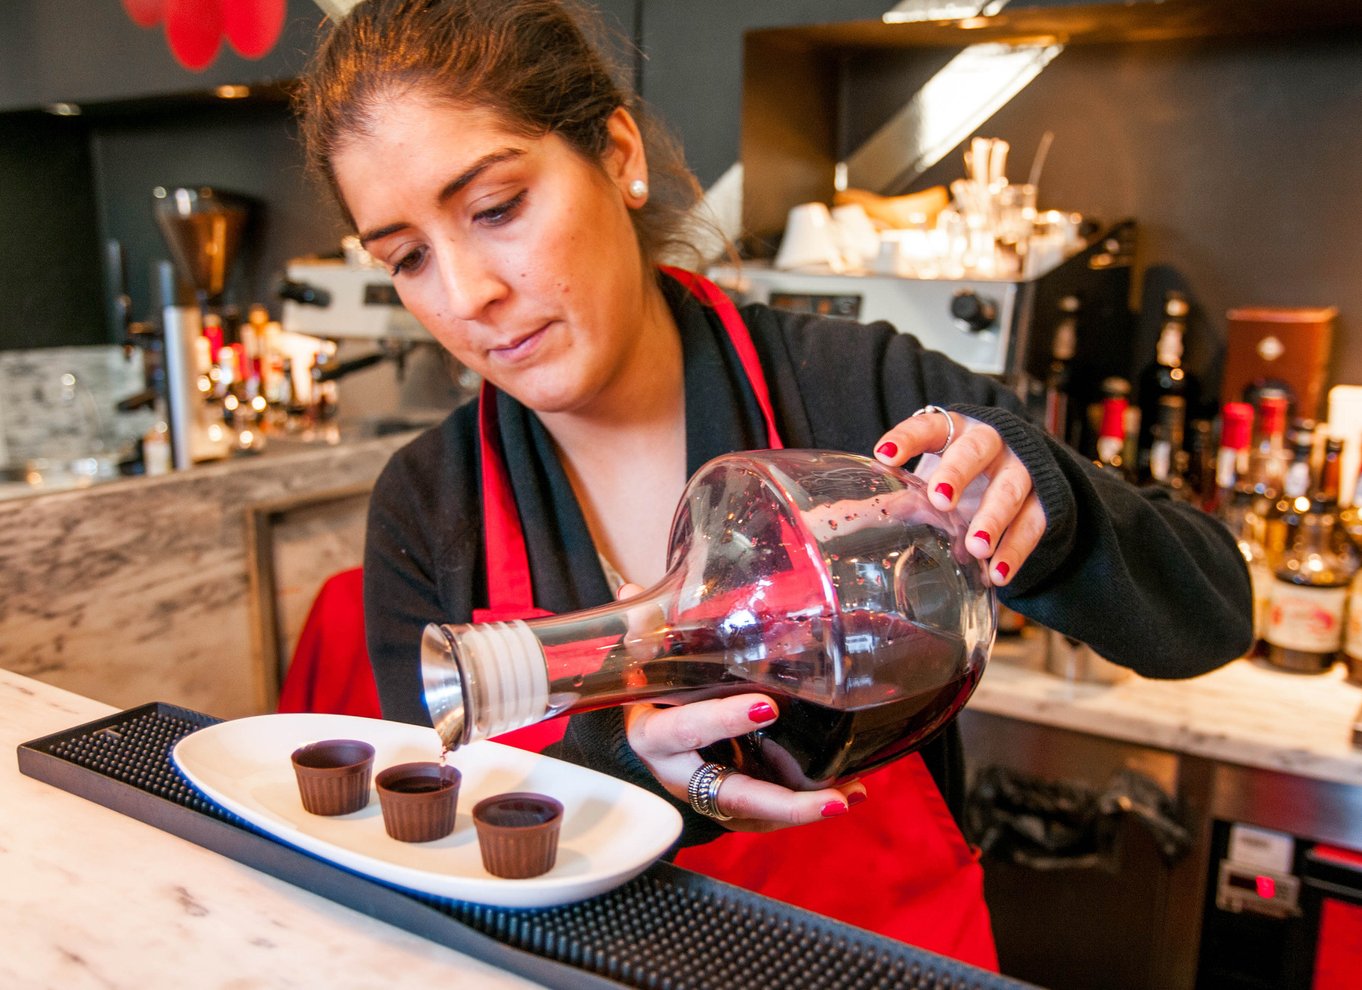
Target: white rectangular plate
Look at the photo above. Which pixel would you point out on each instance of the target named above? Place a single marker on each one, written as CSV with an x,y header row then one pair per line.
x,y
612,830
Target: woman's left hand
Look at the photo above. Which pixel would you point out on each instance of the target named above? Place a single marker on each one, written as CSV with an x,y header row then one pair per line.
x,y
978,473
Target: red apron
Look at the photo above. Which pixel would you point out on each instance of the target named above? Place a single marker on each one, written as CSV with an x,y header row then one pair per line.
x,y
896,864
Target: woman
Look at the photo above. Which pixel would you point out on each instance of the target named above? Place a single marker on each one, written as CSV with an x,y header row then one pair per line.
x,y
485,155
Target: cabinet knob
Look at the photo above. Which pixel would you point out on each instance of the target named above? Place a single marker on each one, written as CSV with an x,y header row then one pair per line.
x,y
973,312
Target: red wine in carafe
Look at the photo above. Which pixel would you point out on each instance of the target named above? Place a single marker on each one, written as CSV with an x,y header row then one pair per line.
x,y
887,713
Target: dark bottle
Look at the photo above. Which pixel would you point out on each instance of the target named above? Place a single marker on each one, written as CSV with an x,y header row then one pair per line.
x,y
1057,382
1167,459
1200,464
1165,375
1309,596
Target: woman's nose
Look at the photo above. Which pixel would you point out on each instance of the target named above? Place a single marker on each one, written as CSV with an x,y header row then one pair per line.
x,y
472,284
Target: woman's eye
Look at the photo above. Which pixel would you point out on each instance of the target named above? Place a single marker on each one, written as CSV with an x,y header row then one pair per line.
x,y
406,263
495,216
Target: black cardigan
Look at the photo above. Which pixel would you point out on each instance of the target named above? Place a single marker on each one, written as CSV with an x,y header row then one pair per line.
x,y
1148,582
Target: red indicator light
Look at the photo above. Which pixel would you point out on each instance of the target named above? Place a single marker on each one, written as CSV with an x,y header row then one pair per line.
x,y
1266,887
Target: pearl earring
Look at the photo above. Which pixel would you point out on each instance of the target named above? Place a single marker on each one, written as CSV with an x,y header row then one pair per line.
x,y
638,189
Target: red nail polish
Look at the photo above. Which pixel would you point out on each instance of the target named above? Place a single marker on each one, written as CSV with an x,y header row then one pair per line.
x,y
1002,569
887,449
855,798
834,808
946,490
761,712
982,534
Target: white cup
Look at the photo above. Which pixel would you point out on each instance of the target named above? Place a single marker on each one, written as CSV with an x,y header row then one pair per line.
x,y
857,237
810,240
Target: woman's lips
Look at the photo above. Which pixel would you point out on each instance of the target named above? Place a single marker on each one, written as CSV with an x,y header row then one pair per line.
x,y
520,348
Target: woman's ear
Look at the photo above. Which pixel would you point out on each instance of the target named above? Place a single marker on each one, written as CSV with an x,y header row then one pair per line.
x,y
625,160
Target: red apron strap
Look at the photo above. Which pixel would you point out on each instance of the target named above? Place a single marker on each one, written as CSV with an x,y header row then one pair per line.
x,y
710,294
508,563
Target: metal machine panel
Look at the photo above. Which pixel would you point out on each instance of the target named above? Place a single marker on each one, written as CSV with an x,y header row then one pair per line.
x,y
982,339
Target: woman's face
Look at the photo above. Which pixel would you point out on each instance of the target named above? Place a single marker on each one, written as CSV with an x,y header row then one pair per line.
x,y
516,253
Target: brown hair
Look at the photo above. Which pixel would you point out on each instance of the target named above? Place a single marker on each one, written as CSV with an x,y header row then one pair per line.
x,y
529,61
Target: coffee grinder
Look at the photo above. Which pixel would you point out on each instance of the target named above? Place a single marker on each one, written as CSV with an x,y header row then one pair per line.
x,y
203,228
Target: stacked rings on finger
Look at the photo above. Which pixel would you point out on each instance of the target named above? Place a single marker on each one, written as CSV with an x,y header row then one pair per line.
x,y
950,426
703,790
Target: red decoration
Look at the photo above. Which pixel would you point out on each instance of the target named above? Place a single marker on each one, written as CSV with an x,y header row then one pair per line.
x,y
145,13
195,28
194,31
253,26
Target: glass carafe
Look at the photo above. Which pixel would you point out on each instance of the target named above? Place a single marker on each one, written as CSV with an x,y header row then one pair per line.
x,y
823,579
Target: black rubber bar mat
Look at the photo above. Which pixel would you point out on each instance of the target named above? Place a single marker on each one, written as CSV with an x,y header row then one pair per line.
x,y
667,929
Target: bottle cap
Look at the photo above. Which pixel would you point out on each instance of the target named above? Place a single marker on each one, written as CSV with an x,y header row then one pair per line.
x,y
1236,425
1272,410
1114,418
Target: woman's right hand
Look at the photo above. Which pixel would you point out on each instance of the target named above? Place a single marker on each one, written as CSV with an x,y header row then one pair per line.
x,y
668,739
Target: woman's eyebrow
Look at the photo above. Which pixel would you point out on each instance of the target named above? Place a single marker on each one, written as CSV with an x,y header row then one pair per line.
x,y
477,168
450,189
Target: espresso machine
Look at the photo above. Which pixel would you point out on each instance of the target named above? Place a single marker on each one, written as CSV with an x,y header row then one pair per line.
x,y
203,229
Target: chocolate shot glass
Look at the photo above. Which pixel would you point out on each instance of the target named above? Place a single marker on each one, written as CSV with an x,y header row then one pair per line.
x,y
518,833
333,775
419,800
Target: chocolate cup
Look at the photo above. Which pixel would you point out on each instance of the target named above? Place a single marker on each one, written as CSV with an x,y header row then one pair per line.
x,y
333,775
518,833
419,800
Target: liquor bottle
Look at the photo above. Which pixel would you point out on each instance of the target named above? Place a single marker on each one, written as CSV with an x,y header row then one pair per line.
x,y
1231,461
1165,375
1350,517
1352,630
1268,461
1284,516
1309,596
837,588
1246,525
1111,437
1057,383
1113,387
1200,464
1167,459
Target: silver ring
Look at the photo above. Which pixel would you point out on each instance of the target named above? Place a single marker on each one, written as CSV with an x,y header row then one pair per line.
x,y
703,790
950,425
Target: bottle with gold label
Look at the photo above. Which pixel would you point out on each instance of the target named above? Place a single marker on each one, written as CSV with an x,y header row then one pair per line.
x,y
1305,617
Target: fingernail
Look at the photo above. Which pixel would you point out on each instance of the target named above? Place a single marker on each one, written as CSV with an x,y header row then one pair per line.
x,y
855,798
761,712
1002,569
888,449
945,490
834,808
982,534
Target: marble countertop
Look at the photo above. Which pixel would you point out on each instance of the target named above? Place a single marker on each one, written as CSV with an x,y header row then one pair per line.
x,y
92,898
1244,713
